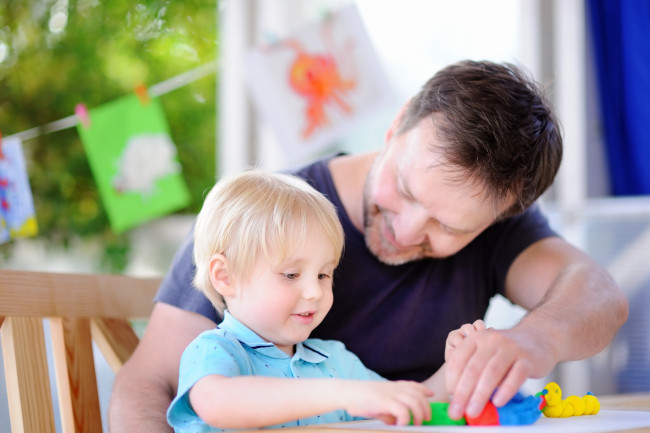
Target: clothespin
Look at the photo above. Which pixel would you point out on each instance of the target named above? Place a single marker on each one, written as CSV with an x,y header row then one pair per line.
x,y
82,113
1,154
143,95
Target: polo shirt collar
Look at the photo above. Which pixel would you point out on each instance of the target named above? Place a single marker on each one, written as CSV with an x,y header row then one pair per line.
x,y
309,351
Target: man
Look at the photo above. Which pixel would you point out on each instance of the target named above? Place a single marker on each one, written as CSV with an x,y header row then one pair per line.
x,y
436,223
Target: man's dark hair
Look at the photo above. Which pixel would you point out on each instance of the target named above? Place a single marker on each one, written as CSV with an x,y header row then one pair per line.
x,y
495,126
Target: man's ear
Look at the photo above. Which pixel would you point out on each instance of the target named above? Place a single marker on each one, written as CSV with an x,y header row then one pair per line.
x,y
219,275
397,121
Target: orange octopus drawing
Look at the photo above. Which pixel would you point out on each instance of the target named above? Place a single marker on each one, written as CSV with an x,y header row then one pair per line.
x,y
316,77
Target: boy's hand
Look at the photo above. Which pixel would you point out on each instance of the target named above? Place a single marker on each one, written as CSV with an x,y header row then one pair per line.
x,y
393,402
456,336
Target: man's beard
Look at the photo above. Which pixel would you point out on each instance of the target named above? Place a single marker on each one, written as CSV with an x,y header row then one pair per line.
x,y
379,246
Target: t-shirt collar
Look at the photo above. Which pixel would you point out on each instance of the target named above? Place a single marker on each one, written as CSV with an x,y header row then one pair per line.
x,y
306,351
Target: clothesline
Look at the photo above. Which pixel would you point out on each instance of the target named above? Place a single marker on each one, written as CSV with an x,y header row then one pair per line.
x,y
155,90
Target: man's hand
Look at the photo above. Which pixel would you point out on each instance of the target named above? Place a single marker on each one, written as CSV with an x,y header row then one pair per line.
x,y
574,310
489,360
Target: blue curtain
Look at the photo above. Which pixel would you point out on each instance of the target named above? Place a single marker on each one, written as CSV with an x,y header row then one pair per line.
x,y
621,37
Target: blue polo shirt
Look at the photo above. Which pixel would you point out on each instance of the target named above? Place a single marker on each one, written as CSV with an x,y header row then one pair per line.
x,y
232,349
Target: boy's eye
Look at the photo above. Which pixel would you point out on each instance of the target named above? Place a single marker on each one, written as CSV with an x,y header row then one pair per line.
x,y
323,276
291,276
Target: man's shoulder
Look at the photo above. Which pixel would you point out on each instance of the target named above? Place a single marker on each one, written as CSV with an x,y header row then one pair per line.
x,y
316,168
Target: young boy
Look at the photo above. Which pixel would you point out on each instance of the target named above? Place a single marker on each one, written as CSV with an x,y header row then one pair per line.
x,y
265,248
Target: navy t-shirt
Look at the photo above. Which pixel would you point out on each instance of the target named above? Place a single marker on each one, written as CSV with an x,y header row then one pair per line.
x,y
394,318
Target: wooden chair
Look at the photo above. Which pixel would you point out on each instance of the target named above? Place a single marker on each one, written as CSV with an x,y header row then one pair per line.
x,y
80,308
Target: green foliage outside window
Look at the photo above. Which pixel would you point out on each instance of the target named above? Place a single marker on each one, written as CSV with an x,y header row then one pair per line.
x,y
55,54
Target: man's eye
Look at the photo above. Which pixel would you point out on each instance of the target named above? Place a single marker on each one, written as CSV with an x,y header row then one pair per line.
x,y
405,194
291,276
448,230
400,189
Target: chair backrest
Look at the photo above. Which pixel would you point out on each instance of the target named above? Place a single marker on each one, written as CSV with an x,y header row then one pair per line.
x,y
80,308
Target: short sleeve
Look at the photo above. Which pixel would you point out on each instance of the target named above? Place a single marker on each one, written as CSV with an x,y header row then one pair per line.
x,y
509,238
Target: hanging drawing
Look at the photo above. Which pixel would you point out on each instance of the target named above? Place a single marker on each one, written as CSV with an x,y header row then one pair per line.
x,y
317,79
315,85
133,160
17,218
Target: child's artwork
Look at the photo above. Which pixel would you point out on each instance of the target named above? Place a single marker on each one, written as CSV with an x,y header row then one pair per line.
x,y
313,86
133,160
17,217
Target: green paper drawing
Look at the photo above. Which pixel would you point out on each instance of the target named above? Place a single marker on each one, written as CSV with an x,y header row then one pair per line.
x,y
133,160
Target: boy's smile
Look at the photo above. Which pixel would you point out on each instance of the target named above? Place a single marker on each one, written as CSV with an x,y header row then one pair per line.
x,y
306,318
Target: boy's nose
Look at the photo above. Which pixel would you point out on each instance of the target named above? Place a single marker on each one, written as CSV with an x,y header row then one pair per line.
x,y
312,291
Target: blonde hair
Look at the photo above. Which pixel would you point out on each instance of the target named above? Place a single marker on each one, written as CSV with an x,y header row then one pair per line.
x,y
256,214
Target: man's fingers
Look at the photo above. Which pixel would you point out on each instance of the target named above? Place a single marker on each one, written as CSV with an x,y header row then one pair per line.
x,y
515,378
481,375
496,368
456,363
490,360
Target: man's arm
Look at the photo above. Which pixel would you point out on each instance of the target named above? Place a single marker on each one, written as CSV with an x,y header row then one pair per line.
x,y
574,310
147,383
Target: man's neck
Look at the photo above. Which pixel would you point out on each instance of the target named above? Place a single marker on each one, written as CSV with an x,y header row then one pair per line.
x,y
349,174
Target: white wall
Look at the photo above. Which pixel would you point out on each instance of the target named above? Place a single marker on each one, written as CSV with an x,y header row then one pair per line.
x,y
413,39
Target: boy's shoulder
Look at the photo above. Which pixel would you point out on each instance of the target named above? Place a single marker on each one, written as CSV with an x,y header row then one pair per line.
x,y
208,340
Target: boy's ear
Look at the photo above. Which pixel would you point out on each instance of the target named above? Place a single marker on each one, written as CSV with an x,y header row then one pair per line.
x,y
397,121
219,275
